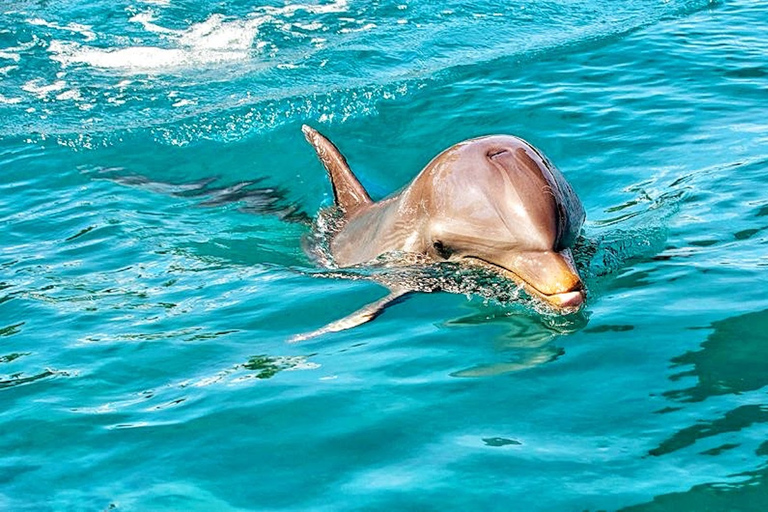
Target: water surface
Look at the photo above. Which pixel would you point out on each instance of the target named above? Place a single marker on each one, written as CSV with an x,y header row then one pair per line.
x,y
155,190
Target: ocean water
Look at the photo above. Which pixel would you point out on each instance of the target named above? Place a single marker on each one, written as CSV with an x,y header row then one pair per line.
x,y
155,189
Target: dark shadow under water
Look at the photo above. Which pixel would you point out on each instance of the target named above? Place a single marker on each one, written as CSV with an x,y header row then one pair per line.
x,y
731,361
250,196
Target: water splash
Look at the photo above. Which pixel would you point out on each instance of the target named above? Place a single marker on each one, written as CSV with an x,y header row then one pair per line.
x,y
634,230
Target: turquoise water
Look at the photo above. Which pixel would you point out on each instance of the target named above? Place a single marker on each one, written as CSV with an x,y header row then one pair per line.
x,y
156,188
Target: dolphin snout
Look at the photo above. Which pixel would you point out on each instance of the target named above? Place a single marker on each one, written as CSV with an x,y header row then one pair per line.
x,y
551,276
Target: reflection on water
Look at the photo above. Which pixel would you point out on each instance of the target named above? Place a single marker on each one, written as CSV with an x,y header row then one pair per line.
x,y
748,494
20,378
527,340
732,421
731,361
266,367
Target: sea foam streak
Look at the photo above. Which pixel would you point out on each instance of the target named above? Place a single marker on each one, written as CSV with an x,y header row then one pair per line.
x,y
218,39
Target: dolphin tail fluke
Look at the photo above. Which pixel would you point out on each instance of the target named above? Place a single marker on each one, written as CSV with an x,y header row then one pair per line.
x,y
359,317
348,193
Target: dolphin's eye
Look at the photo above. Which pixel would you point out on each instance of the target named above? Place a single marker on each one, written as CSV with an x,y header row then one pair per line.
x,y
442,250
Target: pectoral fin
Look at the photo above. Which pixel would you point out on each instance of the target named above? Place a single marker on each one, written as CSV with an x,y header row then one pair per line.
x,y
359,317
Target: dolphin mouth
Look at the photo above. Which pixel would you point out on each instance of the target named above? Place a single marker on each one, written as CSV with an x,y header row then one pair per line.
x,y
566,302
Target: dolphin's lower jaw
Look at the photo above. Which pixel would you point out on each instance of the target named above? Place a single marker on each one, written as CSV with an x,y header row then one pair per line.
x,y
567,301
564,302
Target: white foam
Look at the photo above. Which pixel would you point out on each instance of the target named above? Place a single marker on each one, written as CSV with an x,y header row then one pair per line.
x,y
38,87
218,39
146,20
71,94
137,57
184,103
116,101
212,41
331,7
218,35
10,101
44,91
77,28
364,28
315,25
10,56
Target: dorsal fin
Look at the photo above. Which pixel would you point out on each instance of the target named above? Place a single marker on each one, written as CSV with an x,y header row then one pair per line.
x,y
348,193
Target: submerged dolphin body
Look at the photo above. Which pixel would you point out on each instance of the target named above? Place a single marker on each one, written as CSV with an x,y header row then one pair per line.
x,y
493,202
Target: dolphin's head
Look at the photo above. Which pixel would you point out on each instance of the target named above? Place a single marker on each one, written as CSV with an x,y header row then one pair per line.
x,y
497,202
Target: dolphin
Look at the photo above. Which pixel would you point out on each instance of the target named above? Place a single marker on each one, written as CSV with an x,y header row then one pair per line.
x,y
492,202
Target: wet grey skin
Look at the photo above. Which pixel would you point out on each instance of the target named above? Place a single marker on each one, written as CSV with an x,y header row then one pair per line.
x,y
493,202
